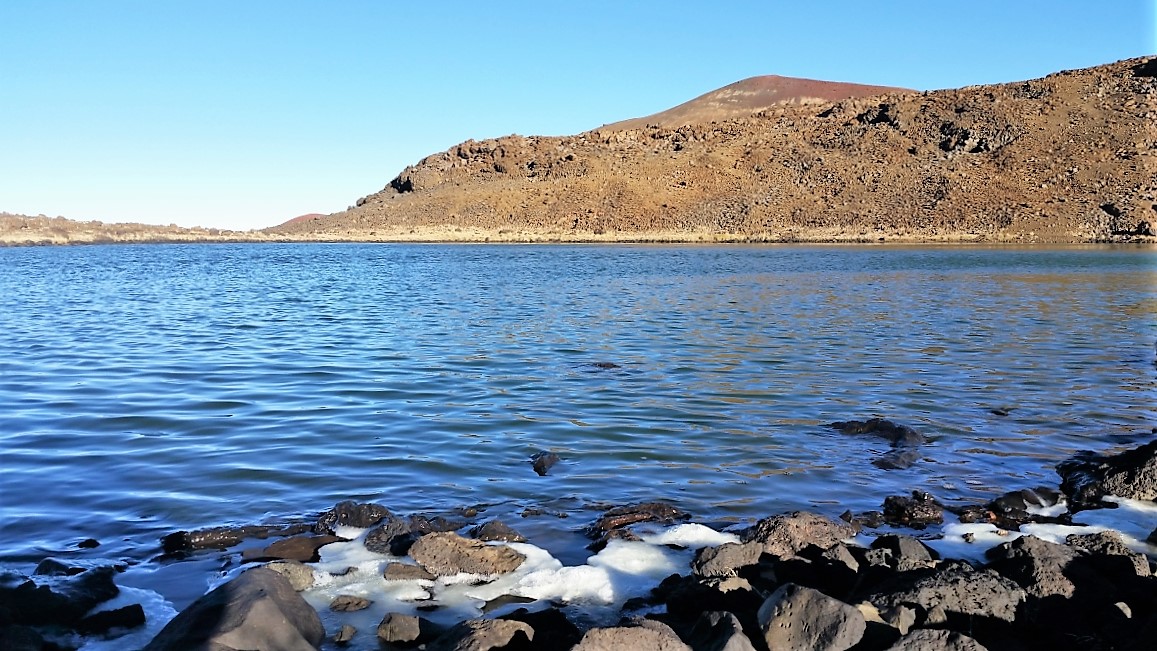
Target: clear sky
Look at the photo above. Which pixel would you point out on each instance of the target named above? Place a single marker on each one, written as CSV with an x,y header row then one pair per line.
x,y
243,114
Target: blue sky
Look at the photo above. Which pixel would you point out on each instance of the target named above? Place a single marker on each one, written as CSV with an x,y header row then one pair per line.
x,y
246,114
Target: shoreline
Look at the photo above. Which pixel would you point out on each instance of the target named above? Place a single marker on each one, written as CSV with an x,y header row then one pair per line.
x,y
1001,575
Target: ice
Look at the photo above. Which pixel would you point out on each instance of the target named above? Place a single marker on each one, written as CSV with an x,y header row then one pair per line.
x,y
158,613
691,536
984,536
1060,508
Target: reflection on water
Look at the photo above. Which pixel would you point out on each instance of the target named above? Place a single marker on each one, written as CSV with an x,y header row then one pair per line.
x,y
149,388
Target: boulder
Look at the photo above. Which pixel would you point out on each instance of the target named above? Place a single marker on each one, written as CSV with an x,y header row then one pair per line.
x,y
350,514
833,571
784,535
391,536
908,553
1036,565
482,635
719,631
936,640
726,559
496,530
1087,477
348,603
406,630
644,634
302,549
543,461
796,617
552,630
447,553
1109,544
257,610
955,588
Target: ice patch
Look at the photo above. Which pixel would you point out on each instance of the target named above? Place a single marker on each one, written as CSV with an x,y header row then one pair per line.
x,y
1060,508
982,536
158,613
691,536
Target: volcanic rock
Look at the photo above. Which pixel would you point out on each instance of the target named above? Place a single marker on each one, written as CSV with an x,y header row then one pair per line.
x,y
298,548
917,511
542,462
784,535
225,537
936,640
257,610
496,530
447,553
957,589
482,635
1087,477
795,617
622,516
726,559
644,634
350,514
719,631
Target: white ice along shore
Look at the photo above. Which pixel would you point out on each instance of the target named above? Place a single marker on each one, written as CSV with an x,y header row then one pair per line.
x,y
591,594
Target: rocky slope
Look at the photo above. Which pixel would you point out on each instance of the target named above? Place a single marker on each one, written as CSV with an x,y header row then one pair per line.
x,y
1070,157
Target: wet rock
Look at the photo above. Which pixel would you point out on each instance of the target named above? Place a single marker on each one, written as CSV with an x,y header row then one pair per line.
x,y
103,621
350,514
726,559
405,572
482,635
502,601
917,511
936,640
796,617
298,548
897,435
784,535
645,634
899,459
406,630
1087,477
542,462
833,571
225,537
496,530
348,603
53,567
447,553
1152,539
300,575
21,638
719,631
344,635
88,543
423,524
686,597
1105,545
552,630
625,535
257,610
1014,506
622,516
958,589
392,536
63,603
908,553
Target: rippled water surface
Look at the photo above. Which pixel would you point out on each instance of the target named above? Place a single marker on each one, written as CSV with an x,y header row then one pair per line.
x,y
145,389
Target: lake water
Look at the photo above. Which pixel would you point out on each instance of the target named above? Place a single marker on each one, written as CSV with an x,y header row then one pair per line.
x,y
150,388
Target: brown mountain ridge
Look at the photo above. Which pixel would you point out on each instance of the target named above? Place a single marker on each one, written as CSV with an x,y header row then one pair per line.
x,y
1065,158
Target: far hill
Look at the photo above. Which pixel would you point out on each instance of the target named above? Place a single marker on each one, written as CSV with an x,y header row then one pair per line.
x,y
1071,157
750,96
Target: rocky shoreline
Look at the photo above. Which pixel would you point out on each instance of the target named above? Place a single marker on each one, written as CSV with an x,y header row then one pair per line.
x,y
791,581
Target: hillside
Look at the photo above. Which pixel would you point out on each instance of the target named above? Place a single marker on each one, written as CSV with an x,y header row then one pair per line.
x,y
1066,158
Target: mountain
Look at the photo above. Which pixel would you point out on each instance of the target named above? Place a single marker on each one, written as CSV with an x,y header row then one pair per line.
x,y
750,96
1069,157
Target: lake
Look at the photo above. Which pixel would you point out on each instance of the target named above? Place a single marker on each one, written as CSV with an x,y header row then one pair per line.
x,y
150,388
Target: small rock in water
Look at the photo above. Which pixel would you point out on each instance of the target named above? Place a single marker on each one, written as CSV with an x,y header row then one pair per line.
x,y
604,366
896,434
405,572
496,530
88,543
348,603
447,553
352,514
622,516
543,461
917,511
103,621
346,634
297,548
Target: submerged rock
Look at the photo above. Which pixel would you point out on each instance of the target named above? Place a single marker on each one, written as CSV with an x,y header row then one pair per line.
x,y
896,434
257,610
543,461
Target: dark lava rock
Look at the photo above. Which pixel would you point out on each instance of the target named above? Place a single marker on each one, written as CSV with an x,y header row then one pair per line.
x,y
1087,477
898,459
622,516
643,634
686,597
719,631
726,559
482,635
447,553
225,537
424,524
257,610
298,548
88,543
22,638
908,553
1110,544
936,640
833,571
1011,510
1036,565
543,461
784,535
348,603
405,572
917,511
795,617
350,514
104,621
53,567
406,630
958,589
392,536
552,630
1152,539
496,530
61,604
896,434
